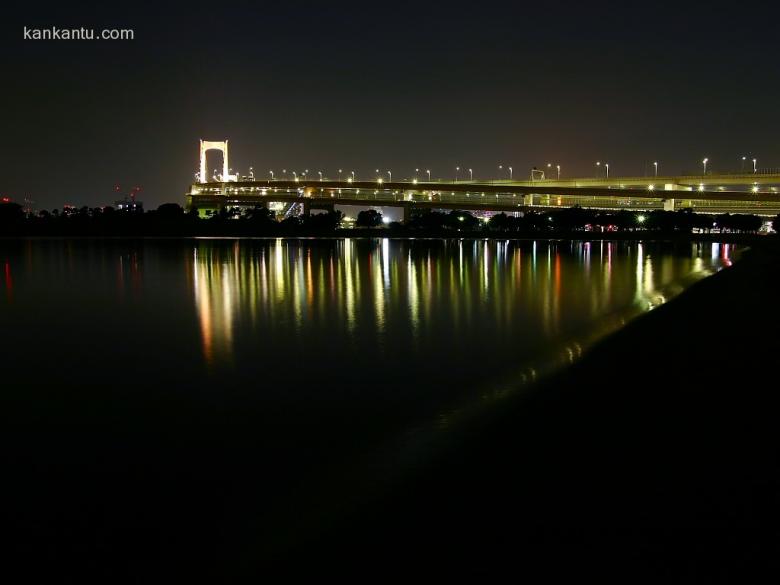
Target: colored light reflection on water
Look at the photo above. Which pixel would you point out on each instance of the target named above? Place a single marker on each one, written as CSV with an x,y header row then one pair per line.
x,y
207,378
376,315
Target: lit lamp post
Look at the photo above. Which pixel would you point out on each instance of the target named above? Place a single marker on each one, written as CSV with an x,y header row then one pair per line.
x,y
251,173
272,175
429,174
754,166
340,171
320,174
390,176
598,164
471,175
704,163
457,170
353,176
558,168
655,172
510,173
742,165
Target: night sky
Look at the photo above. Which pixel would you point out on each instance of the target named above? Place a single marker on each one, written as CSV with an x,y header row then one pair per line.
x,y
391,86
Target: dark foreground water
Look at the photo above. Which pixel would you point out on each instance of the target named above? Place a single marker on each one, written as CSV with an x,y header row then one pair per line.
x,y
215,402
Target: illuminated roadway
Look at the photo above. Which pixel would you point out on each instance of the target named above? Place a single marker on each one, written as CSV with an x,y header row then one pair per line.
x,y
710,193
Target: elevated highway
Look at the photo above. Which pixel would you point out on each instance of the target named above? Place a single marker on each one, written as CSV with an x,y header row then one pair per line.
x,y
715,196
764,180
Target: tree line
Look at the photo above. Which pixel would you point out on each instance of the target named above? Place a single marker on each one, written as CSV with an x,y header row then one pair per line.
x,y
171,219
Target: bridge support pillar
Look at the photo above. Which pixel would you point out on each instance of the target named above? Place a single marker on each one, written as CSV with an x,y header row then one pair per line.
x,y
668,204
528,200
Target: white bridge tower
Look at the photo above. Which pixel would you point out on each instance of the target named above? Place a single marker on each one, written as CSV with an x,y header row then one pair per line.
x,y
222,146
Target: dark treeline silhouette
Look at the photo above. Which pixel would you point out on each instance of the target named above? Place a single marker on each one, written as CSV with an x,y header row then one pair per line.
x,y
369,218
171,220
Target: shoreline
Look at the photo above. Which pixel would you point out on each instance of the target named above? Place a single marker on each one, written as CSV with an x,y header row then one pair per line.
x,y
745,239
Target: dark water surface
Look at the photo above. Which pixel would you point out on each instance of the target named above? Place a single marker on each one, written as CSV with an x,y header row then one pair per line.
x,y
215,401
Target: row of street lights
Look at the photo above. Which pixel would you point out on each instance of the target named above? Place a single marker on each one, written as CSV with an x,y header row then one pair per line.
x,y
378,174
509,169
741,168
655,166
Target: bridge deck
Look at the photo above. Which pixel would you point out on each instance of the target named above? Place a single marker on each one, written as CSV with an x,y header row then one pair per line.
x,y
474,195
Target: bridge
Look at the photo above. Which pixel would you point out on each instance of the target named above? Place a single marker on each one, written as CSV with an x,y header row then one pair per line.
x,y
711,193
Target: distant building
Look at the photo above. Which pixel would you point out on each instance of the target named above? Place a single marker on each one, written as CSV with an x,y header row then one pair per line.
x,y
130,205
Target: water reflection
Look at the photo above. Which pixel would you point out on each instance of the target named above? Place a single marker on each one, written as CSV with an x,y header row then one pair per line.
x,y
398,295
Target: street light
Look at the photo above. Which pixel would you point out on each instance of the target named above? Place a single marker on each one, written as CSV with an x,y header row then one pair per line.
x,y
510,173
598,164
742,165
471,175
704,162
390,175
606,166
272,175
320,174
457,170
754,166
340,171
429,174
558,168
251,173
353,176
655,164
